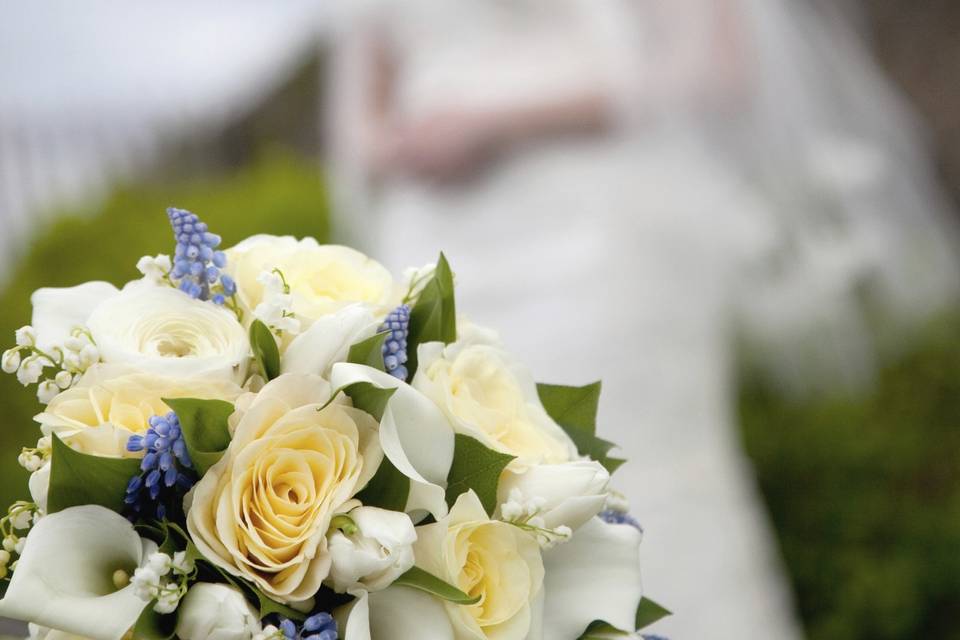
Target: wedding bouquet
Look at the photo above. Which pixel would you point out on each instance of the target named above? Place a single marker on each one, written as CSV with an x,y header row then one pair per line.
x,y
281,441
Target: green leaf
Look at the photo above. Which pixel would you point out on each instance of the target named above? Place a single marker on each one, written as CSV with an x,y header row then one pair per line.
x,y
388,489
477,467
434,316
204,427
370,398
154,626
575,409
265,349
369,351
600,630
78,479
417,578
649,612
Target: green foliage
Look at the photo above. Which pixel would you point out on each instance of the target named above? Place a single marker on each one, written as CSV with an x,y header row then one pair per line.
x,y
265,350
649,612
77,479
204,427
369,398
154,626
865,495
575,409
477,467
387,489
417,578
279,194
434,316
369,351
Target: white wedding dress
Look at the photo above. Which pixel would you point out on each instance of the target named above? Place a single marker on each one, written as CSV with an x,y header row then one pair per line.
x,y
616,257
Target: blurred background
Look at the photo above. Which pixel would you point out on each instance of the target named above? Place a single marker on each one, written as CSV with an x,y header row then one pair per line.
x,y
741,214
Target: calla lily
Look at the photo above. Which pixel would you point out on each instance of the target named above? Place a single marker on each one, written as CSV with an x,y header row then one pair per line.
x,y
414,434
594,576
571,492
328,340
397,613
65,577
57,310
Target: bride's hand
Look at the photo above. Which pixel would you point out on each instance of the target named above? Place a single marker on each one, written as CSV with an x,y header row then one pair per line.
x,y
445,146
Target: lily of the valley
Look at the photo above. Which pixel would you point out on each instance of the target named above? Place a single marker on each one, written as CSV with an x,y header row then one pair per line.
x,y
74,573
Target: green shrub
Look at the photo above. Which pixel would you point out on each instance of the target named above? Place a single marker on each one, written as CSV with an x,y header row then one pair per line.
x,y
865,495
279,193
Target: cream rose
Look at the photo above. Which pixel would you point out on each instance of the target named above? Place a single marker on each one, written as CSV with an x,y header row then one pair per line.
x,y
111,403
489,559
263,511
322,278
487,394
162,330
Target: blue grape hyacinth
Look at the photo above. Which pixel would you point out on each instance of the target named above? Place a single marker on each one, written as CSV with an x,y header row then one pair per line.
x,y
162,480
320,626
395,345
613,516
196,262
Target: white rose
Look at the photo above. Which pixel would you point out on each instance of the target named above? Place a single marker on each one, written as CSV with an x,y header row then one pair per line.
x,y
162,330
495,561
569,494
594,576
376,554
322,278
66,577
216,612
111,403
295,461
488,395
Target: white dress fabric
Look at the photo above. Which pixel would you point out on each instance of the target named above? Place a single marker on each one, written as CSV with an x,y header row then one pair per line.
x,y
629,257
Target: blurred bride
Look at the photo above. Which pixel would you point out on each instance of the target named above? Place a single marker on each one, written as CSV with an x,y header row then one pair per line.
x,y
617,183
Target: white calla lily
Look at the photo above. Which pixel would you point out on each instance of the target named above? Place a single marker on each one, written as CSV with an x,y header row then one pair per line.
x,y
65,578
328,340
594,576
414,434
396,613
57,310
570,493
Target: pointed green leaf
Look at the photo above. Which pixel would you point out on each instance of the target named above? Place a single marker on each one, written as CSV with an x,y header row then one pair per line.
x,y
369,351
600,630
575,409
369,398
78,479
649,612
265,349
388,489
434,316
204,427
417,578
475,466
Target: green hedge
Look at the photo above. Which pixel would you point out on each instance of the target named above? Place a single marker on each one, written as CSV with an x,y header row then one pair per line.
x,y
865,495
280,193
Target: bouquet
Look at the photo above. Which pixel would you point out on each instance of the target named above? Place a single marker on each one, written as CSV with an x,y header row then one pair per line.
x,y
280,440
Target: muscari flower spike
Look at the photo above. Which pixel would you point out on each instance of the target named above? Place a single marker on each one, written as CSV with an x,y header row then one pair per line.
x,y
613,516
320,626
162,480
196,263
395,345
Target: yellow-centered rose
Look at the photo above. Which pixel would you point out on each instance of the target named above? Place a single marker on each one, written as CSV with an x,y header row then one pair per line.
x,y
486,394
263,511
322,278
110,404
496,562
